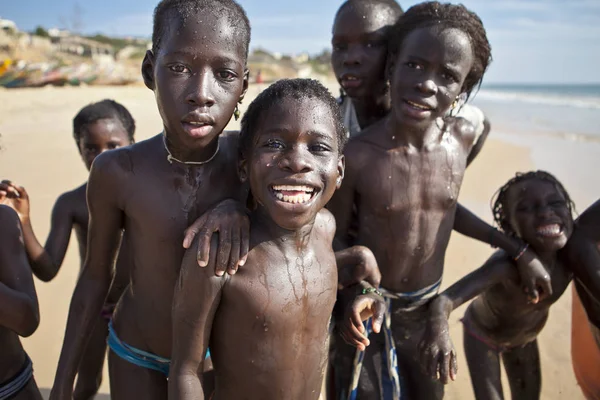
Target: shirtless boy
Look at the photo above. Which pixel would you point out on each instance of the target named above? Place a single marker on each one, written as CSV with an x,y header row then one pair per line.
x,y
403,178
19,312
158,187
98,127
267,326
500,323
360,39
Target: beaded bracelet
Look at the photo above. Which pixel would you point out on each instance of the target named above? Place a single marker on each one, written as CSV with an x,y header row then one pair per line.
x,y
521,252
372,290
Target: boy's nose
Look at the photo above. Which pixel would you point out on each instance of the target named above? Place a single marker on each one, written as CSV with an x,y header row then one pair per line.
x,y
201,91
296,162
427,86
353,55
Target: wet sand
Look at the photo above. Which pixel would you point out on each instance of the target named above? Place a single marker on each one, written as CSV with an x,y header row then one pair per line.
x,y
38,152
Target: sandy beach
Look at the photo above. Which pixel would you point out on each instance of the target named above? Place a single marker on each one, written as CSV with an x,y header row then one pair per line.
x,y
38,152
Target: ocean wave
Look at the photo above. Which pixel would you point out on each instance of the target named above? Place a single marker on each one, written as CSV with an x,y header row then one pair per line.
x,y
589,102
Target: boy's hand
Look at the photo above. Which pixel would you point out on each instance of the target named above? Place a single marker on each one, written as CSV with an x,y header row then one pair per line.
x,y
15,197
534,277
230,219
361,309
363,267
437,354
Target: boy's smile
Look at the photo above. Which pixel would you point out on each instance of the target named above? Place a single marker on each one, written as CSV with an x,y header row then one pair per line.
x,y
294,165
429,73
539,214
197,82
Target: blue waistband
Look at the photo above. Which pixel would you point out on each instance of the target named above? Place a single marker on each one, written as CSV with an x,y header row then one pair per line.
x,y
138,357
15,385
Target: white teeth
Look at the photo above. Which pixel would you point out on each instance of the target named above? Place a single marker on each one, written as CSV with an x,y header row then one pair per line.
x,y
351,78
304,195
549,230
197,123
419,106
291,188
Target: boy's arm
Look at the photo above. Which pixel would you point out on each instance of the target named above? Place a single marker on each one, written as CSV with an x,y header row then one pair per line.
x,y
197,297
343,199
356,264
589,222
531,270
104,237
19,310
436,349
45,261
480,141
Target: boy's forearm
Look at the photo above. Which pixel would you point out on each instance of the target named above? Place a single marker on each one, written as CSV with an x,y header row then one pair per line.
x,y
185,386
468,224
41,264
86,305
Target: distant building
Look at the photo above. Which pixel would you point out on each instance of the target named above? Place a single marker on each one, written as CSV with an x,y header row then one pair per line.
x,y
64,41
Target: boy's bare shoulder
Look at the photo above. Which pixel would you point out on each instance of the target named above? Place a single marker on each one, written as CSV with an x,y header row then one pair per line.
x,y
229,144
463,130
325,224
11,226
364,147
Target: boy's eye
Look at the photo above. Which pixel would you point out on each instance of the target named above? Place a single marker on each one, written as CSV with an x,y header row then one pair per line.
x,y
226,75
339,46
274,144
178,68
320,147
449,76
414,65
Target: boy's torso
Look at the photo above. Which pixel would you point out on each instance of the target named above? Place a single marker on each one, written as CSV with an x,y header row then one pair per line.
x,y
159,202
269,335
406,202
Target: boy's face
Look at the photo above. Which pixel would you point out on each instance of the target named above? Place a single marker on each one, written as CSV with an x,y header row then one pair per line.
x,y
294,165
198,76
538,213
100,136
360,48
429,73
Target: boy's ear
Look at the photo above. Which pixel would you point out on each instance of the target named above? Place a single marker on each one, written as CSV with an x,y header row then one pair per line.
x,y
243,169
341,167
148,70
245,84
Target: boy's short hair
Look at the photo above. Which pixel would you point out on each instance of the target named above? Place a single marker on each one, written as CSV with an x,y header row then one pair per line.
x,y
105,109
184,9
295,89
443,16
392,7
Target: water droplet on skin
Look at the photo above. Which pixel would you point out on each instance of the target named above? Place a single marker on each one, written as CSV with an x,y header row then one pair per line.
x,y
390,177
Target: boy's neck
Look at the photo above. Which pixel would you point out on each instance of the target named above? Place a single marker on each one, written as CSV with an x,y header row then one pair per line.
x,y
548,258
264,229
371,109
183,153
402,136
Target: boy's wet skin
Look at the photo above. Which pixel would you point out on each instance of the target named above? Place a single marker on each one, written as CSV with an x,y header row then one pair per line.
x,y
281,301
197,83
71,213
19,312
502,320
404,172
359,57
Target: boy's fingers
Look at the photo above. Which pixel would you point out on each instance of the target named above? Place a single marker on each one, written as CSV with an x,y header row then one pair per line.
x,y
235,251
191,232
433,365
445,368
245,244
204,238
378,316
356,319
453,366
224,252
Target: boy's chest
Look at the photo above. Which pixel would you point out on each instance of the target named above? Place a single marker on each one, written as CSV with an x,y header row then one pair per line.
x,y
290,291
404,181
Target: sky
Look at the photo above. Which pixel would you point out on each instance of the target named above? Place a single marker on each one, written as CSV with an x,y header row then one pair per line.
x,y
533,41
